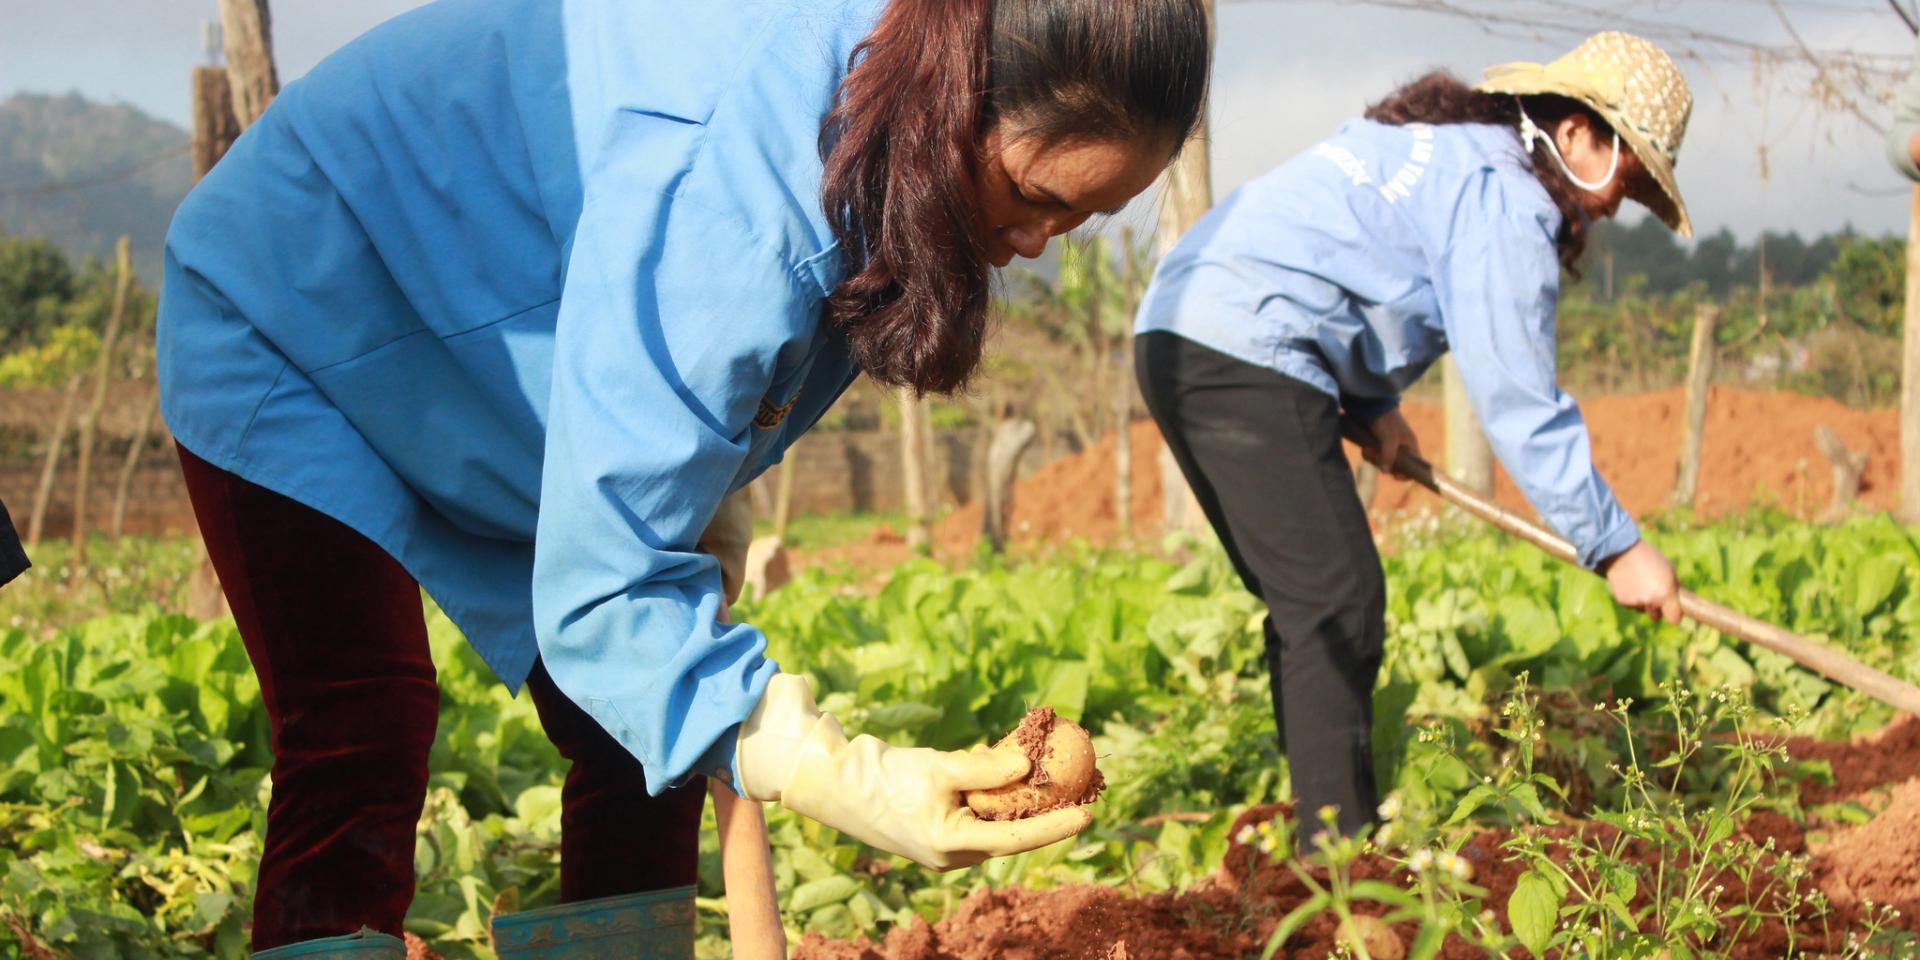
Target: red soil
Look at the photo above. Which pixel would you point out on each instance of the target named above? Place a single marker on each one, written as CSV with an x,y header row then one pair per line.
x,y
1758,448
1878,861
1231,915
1887,756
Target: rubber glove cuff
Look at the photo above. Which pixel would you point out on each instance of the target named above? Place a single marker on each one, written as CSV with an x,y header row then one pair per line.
x,y
770,743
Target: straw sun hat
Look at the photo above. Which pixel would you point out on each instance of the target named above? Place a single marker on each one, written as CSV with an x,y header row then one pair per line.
x,y
1636,88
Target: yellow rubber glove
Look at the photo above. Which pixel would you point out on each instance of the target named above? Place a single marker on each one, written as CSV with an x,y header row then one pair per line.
x,y
905,800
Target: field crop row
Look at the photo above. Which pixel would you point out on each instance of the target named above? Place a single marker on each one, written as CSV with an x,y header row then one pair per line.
x,y
133,744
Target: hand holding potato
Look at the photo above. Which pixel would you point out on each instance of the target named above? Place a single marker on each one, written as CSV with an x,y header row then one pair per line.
x,y
1063,773
906,800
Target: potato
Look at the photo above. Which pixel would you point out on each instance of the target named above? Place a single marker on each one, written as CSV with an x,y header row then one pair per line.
x,y
1063,771
1382,942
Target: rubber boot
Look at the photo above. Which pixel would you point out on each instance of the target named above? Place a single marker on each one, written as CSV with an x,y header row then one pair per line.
x,y
365,945
656,925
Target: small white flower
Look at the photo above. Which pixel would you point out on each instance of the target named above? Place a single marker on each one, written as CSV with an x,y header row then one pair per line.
x,y
1246,835
1390,807
1421,861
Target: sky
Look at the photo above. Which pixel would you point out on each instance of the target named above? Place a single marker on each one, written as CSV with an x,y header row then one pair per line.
x,y
1286,74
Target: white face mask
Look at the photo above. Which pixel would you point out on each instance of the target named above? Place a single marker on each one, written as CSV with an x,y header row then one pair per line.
x,y
1529,132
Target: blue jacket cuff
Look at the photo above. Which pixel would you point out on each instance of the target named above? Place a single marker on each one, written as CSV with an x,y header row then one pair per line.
x,y
1610,544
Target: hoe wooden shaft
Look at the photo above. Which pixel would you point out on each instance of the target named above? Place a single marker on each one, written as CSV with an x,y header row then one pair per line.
x,y
1830,663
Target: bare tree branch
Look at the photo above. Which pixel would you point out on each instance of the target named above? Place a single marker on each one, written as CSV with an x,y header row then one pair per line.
x,y
1905,16
1854,83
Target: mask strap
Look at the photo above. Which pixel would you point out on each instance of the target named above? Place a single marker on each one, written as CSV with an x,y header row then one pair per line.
x,y
1529,132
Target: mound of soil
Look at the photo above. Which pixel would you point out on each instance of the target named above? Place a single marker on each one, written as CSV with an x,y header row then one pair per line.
x,y
1864,764
1758,448
1878,861
1071,497
1232,915
1083,923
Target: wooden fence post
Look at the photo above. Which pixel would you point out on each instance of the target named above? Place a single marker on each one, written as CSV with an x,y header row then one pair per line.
x,y
1699,379
56,444
915,469
1366,482
1469,457
1011,438
1909,506
1123,387
132,464
222,109
214,125
248,32
1848,467
90,422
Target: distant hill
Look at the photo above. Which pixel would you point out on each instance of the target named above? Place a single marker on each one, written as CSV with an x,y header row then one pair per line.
x,y
81,173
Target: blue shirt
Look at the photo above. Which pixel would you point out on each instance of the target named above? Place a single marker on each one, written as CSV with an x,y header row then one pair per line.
x,y
520,289
1355,265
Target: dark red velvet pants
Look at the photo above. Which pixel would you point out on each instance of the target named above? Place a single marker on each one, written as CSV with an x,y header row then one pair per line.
x,y
335,631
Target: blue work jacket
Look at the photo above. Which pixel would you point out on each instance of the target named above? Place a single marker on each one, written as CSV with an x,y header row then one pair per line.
x,y
1356,265
520,290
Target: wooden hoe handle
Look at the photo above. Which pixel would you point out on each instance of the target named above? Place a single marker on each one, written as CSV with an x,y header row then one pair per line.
x,y
1828,662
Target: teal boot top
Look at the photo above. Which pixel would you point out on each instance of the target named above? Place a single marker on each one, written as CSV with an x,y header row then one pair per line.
x,y
656,925
365,945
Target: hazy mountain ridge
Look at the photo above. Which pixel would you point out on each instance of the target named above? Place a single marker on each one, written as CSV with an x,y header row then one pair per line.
x,y
81,173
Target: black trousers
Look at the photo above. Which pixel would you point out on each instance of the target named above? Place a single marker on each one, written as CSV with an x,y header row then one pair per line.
x,y
1262,453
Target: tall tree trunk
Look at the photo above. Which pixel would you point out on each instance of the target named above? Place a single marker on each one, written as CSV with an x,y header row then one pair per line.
x,y
1699,380
1186,197
56,443
1910,377
132,463
248,32
915,469
90,423
1469,457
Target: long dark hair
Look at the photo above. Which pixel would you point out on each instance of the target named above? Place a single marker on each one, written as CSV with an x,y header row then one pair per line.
x,y
1440,97
902,150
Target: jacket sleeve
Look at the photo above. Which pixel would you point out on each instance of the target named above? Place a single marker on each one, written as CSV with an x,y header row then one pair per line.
x,y
671,318
1498,287
1906,123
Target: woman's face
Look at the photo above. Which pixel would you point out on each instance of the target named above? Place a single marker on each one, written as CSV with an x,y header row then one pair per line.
x,y
1032,189
1589,155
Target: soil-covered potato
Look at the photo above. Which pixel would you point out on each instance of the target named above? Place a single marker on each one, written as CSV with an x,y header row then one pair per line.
x,y
1381,941
1063,773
